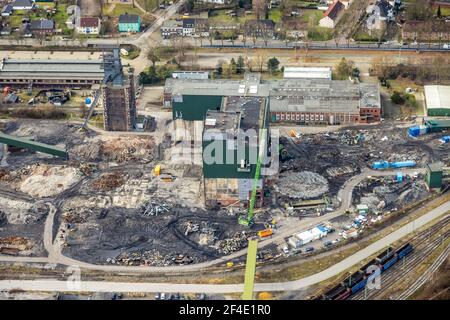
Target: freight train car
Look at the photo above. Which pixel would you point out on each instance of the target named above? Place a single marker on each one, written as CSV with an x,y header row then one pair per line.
x,y
366,274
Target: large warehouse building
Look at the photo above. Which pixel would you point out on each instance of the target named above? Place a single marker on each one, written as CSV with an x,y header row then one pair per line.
x,y
54,73
300,101
437,100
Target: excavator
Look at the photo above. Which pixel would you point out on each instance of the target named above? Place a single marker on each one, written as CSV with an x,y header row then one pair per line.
x,y
248,220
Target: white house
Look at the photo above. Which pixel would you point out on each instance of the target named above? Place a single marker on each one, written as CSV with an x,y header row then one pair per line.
x,y
332,15
88,25
379,13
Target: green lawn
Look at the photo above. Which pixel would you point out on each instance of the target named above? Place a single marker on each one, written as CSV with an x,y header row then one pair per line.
x,y
221,17
61,17
320,34
275,15
151,4
444,11
45,4
121,8
312,16
15,21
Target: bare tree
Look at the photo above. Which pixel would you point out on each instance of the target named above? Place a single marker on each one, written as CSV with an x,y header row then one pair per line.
x,y
259,8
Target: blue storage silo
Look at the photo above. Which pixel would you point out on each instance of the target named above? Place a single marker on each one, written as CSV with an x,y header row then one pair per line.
x,y
380,165
88,100
403,164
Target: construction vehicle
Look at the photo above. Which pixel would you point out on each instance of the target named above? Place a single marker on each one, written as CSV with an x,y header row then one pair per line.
x,y
265,233
248,220
292,133
157,170
166,177
230,264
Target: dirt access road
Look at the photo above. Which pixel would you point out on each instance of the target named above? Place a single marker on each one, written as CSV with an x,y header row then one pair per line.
x,y
100,286
284,230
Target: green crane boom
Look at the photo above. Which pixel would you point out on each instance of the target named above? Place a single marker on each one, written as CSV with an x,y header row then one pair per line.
x,y
248,220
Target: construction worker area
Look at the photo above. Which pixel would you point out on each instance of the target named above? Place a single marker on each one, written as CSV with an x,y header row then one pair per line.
x,y
126,201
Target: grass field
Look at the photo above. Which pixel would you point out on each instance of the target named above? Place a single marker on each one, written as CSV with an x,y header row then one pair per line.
x,y
312,16
120,8
320,34
275,15
221,17
148,5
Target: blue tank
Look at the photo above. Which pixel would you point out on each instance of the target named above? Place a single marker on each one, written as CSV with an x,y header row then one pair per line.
x,y
380,165
403,164
88,100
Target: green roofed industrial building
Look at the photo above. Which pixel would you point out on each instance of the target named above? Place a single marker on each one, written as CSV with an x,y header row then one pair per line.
x,y
228,106
437,100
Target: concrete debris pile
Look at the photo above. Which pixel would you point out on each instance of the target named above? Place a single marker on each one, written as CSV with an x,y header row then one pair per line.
x,y
340,171
18,212
149,258
47,181
154,208
302,185
129,149
108,181
78,215
386,193
233,244
13,245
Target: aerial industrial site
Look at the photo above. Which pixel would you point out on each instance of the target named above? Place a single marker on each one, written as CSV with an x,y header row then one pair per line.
x,y
170,160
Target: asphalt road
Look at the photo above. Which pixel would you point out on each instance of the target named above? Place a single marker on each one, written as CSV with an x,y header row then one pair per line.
x,y
101,286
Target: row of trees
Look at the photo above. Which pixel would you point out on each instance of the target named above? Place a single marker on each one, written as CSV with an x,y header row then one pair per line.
x,y
240,65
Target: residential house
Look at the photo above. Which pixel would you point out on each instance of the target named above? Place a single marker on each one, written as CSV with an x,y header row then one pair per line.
x,y
171,28
259,28
437,30
295,29
201,27
42,27
188,27
332,15
22,5
380,13
7,10
129,23
89,25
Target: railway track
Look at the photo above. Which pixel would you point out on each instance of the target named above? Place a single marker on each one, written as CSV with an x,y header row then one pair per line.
x,y
426,276
422,250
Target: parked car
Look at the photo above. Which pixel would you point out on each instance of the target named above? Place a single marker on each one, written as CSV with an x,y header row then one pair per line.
x,y
327,244
446,46
163,296
157,296
309,249
286,249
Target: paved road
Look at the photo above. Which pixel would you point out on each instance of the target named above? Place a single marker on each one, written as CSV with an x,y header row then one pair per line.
x,y
100,286
55,255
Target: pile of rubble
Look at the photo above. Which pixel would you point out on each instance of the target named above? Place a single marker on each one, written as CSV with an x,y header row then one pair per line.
x,y
233,244
20,212
302,185
154,208
129,149
18,243
108,181
78,215
47,181
150,258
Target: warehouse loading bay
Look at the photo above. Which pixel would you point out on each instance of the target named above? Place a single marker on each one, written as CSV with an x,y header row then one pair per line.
x,y
112,208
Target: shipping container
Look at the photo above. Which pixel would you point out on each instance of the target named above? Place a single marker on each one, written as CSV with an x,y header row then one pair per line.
x,y
402,164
